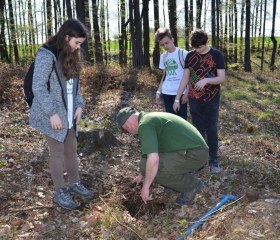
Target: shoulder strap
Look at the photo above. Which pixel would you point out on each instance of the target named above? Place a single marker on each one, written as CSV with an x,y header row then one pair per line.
x,y
181,57
59,81
164,56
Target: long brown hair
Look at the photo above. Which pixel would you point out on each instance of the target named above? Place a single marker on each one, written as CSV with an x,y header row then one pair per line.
x,y
70,61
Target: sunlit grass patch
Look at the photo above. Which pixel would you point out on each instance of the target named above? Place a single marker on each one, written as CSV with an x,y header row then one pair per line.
x,y
270,87
241,93
276,100
3,163
102,123
87,124
2,147
264,116
265,102
235,66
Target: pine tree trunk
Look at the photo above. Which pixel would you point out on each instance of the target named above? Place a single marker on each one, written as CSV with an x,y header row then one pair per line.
x,y
97,40
226,32
81,15
132,33
221,26
273,39
49,18
263,36
241,31
55,16
103,30
146,33
191,16
122,36
256,23
187,25
199,4
173,20
138,34
108,26
156,52
260,27
247,59
69,8
13,32
3,46
31,29
218,24
235,30
88,44
213,23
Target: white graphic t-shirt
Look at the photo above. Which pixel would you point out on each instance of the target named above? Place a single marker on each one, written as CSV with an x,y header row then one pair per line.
x,y
70,114
174,71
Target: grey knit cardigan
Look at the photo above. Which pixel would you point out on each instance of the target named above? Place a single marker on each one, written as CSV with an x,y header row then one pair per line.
x,y
46,102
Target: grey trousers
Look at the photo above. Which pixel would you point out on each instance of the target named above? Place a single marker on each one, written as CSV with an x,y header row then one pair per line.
x,y
63,155
175,168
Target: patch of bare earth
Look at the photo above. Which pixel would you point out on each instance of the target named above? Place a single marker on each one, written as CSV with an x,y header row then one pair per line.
x,y
109,164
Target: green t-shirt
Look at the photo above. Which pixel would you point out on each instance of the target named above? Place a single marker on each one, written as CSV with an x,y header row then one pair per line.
x,y
165,132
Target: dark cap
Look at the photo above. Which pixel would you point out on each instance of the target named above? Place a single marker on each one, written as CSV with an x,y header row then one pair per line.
x,y
124,114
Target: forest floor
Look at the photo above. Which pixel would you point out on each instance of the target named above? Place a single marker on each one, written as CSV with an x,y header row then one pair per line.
x,y
249,153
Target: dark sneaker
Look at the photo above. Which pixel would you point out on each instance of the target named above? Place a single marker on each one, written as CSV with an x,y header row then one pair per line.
x,y
63,199
215,168
188,197
80,189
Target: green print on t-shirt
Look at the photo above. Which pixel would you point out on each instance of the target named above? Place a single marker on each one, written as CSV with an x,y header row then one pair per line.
x,y
193,75
171,67
69,86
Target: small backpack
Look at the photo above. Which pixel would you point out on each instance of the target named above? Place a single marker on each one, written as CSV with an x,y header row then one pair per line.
x,y
27,84
180,55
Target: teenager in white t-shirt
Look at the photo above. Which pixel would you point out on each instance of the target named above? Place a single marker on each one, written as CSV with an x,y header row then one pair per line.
x,y
172,65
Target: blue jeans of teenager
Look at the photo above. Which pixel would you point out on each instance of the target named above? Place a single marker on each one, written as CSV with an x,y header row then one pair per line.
x,y
168,104
205,119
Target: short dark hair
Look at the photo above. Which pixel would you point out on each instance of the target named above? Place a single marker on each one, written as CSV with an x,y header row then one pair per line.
x,y
162,33
198,38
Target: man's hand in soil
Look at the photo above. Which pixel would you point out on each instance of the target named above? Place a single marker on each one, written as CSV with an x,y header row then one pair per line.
x,y
145,195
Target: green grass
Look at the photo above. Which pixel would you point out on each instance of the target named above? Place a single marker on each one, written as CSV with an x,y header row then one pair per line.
x,y
276,99
2,147
87,124
3,163
264,116
238,94
254,102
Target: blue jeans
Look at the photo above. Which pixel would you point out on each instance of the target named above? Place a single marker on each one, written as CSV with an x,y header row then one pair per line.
x,y
168,104
205,119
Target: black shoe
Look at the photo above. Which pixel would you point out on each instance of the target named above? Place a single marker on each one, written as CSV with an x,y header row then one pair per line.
x,y
188,197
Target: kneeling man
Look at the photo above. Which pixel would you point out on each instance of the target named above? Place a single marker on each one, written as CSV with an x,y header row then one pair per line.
x,y
171,149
